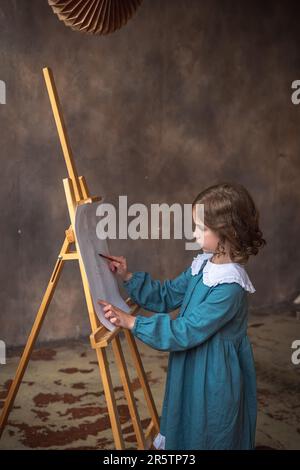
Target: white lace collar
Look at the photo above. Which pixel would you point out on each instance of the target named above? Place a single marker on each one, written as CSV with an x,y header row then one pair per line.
x,y
214,274
198,262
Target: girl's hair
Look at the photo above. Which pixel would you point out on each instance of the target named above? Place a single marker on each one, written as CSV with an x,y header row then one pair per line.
x,y
229,210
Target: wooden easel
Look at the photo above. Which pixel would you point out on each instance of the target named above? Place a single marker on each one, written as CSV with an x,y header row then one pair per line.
x,y
77,193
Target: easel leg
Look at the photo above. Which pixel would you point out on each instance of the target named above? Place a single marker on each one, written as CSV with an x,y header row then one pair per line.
x,y
154,425
116,344
103,367
32,337
110,398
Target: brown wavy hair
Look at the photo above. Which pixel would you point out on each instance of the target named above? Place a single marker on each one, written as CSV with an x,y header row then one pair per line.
x,y
230,212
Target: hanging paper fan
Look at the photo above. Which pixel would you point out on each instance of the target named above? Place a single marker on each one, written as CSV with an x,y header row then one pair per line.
x,y
95,16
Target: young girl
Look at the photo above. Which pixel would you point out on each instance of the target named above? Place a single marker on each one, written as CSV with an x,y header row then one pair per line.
x,y
210,393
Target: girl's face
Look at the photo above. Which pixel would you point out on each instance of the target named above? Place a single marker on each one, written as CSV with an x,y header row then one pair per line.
x,y
205,237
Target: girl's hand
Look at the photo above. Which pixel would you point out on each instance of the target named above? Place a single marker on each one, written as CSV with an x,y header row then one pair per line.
x,y
117,316
120,267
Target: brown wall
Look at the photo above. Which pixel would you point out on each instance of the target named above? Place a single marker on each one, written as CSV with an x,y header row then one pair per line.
x,y
189,93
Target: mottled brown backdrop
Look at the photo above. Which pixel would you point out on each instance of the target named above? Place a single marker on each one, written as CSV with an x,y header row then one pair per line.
x,y
188,94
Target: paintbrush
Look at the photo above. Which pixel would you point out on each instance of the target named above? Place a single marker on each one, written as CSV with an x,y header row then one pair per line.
x,y
109,258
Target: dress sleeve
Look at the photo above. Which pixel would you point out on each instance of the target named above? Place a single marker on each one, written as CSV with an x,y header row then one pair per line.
x,y
155,295
163,333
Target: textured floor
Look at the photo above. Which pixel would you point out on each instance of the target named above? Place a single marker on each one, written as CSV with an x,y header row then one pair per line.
x,y
60,404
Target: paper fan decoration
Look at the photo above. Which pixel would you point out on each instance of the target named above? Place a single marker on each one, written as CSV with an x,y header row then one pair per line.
x,y
95,16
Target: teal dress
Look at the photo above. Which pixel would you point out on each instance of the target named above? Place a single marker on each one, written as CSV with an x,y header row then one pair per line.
x,y
210,393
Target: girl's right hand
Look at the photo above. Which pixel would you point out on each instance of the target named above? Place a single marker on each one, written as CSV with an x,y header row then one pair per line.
x,y
120,267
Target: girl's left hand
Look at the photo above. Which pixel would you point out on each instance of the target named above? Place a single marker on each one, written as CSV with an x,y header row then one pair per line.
x,y
117,316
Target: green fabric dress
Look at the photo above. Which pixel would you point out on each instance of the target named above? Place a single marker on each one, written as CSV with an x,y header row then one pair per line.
x,y
210,393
